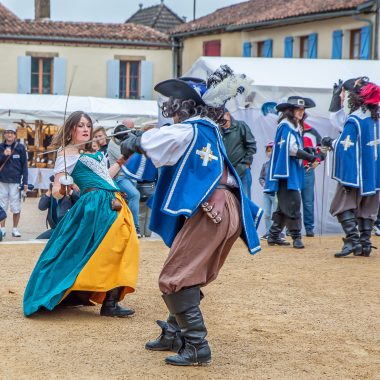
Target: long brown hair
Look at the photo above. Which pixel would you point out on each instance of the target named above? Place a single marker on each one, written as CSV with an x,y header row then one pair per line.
x,y
288,114
69,128
355,101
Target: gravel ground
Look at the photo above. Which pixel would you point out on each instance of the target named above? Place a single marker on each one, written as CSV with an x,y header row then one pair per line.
x,y
280,314
32,221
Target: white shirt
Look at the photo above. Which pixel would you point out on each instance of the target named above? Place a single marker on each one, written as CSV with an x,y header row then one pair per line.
x,y
166,145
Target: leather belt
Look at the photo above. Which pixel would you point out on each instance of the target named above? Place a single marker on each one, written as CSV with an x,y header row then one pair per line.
x,y
90,189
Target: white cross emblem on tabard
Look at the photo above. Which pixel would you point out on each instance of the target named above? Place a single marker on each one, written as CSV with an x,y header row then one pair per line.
x,y
281,142
206,154
374,143
347,143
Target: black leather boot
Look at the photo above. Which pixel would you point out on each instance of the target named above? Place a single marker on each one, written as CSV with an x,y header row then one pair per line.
x,y
195,349
352,240
111,308
365,229
276,228
294,226
170,338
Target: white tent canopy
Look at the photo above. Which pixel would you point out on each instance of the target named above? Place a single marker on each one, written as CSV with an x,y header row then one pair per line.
x,y
51,108
277,78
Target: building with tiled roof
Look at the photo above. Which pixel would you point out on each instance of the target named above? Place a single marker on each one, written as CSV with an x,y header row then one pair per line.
x,y
113,60
159,17
283,28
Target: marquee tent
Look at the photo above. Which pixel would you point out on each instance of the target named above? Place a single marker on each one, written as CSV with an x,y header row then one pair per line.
x,y
51,108
275,80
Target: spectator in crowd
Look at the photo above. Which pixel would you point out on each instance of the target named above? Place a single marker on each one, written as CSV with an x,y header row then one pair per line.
x,y
126,184
3,216
312,141
141,169
240,147
13,172
100,135
269,200
57,208
95,146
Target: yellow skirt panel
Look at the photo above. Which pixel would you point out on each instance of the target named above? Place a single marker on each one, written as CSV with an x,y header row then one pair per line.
x,y
115,263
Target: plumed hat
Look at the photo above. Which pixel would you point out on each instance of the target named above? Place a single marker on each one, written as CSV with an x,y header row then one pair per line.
x,y
221,86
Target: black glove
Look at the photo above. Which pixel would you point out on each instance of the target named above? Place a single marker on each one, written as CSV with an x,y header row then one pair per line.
x,y
336,102
309,149
131,145
327,141
305,156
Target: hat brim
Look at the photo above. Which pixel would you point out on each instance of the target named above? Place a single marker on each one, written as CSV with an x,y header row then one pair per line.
x,y
309,103
178,89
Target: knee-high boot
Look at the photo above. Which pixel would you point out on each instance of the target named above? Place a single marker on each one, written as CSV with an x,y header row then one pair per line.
x,y
185,306
276,228
352,240
365,229
111,308
170,338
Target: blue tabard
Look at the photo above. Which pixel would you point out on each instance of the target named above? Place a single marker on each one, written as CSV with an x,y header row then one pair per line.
x,y
140,168
356,161
182,188
281,164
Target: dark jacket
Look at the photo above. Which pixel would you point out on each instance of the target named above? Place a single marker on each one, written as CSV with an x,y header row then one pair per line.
x,y
240,145
16,168
263,173
57,209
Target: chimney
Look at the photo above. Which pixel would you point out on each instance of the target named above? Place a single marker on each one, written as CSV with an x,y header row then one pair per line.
x,y
42,10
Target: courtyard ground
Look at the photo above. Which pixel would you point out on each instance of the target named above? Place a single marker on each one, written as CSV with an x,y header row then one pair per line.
x,y
280,314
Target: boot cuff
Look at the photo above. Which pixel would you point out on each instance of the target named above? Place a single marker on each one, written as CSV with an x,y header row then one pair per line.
x,y
183,300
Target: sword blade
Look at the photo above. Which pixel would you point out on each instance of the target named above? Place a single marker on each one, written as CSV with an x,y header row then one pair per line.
x,y
89,141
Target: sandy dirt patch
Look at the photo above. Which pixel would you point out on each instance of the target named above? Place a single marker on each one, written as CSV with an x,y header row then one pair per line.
x,y
281,314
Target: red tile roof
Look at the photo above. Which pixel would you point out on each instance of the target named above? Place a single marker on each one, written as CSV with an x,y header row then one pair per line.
x,y
257,11
6,15
79,32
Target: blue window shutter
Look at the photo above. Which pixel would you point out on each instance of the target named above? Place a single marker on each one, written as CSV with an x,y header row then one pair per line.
x,y
312,45
24,75
365,42
288,52
60,74
247,49
337,39
146,80
113,77
268,48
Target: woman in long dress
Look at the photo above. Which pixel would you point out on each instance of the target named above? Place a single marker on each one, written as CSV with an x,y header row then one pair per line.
x,y
93,254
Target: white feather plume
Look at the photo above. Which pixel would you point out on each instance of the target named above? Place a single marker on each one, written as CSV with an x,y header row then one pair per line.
x,y
228,88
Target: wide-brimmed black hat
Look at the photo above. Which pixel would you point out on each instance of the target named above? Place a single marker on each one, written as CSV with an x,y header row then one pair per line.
x,y
183,88
295,102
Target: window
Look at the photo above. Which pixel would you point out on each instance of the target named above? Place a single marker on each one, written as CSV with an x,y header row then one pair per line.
x,y
129,79
42,76
355,44
304,47
211,48
260,49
